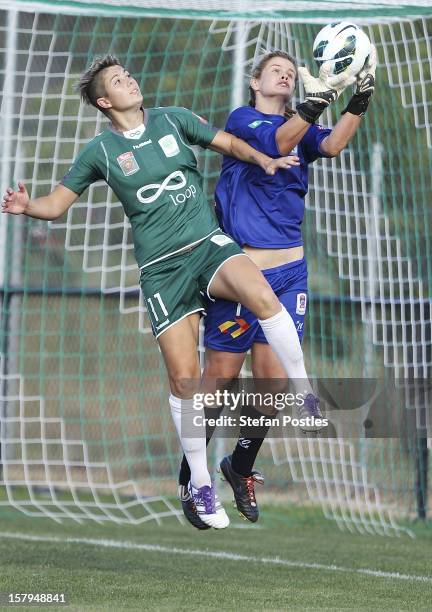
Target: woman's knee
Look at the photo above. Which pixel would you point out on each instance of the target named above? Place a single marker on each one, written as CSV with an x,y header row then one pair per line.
x,y
221,365
184,383
265,303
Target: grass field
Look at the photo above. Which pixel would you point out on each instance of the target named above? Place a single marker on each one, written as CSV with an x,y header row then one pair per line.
x,y
292,560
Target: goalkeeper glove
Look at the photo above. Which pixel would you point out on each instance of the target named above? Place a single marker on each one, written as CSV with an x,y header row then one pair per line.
x,y
321,91
365,86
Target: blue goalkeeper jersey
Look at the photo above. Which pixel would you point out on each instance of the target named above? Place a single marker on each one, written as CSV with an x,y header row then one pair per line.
x,y
257,209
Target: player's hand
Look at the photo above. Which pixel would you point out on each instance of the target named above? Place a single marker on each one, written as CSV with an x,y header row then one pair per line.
x,y
339,82
366,77
321,91
289,161
318,89
365,86
15,202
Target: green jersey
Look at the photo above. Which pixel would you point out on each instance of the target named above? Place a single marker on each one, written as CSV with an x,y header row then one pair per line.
x,y
153,172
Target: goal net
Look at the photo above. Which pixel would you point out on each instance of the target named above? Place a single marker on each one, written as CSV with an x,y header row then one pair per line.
x,y
85,429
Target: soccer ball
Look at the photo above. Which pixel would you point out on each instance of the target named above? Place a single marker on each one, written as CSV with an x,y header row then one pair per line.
x,y
345,45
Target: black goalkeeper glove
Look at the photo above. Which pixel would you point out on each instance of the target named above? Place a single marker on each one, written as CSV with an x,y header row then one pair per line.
x,y
365,86
321,91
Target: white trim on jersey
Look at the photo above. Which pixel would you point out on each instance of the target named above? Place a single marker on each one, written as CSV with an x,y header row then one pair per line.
x,y
107,160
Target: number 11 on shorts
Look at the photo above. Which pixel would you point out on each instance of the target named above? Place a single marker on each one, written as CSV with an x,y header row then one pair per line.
x,y
157,297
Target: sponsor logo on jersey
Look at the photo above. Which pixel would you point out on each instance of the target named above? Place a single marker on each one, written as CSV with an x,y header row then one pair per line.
x,y
128,163
258,122
135,133
301,303
173,182
299,326
169,145
220,240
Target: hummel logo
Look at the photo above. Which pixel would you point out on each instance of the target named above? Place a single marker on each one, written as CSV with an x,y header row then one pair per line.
x,y
142,144
162,324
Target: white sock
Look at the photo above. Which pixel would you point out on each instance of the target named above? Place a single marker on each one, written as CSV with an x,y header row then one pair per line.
x,y
282,336
195,449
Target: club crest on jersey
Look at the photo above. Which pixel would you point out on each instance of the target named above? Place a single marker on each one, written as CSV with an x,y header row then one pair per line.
x,y
128,163
258,122
301,303
169,145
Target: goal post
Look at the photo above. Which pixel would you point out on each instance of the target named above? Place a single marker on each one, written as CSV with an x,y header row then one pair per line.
x,y
87,432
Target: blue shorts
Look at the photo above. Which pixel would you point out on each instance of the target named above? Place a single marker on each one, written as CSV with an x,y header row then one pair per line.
x,y
233,328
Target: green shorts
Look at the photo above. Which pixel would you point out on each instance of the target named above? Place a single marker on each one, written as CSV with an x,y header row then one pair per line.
x,y
174,288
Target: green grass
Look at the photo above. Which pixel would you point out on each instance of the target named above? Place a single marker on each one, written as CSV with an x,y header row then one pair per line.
x,y
94,577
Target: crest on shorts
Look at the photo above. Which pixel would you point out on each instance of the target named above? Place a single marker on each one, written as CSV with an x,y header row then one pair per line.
x,y
301,303
221,239
128,163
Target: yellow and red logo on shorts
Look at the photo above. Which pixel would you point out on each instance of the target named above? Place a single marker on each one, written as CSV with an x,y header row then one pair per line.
x,y
242,327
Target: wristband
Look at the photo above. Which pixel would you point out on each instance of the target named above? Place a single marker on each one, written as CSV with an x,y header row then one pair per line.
x,y
310,111
358,104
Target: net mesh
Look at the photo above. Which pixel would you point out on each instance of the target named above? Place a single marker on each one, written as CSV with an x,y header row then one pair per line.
x,y
85,426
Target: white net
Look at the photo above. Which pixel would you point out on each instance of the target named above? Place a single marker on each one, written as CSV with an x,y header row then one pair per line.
x,y
46,471
75,282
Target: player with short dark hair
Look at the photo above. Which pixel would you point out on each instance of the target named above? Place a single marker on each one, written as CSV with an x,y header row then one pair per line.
x,y
264,216
92,85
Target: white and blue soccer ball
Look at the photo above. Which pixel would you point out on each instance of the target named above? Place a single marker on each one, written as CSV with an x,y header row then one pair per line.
x,y
345,45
